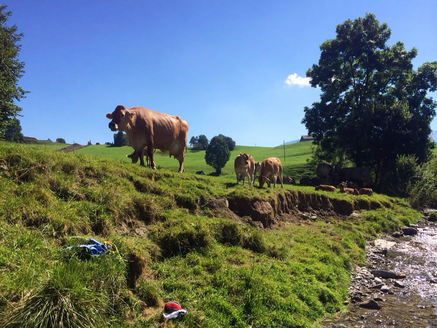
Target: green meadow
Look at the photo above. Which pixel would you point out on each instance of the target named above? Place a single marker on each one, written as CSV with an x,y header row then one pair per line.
x,y
294,162
168,244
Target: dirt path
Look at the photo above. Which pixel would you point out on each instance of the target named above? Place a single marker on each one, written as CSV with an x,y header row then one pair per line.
x,y
398,287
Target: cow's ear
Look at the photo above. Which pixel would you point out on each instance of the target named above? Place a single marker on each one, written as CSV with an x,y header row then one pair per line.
x,y
129,115
109,115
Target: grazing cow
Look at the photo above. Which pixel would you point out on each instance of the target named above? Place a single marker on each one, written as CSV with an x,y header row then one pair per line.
x,y
270,170
344,189
325,187
365,191
244,166
151,130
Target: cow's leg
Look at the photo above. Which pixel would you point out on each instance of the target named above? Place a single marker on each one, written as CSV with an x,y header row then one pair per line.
x,y
181,165
133,156
180,158
150,155
141,154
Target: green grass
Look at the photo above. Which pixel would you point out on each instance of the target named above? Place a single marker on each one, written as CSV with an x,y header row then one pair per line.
x,y
296,156
225,272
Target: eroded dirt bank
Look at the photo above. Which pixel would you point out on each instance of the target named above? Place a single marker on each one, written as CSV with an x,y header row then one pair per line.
x,y
267,212
398,287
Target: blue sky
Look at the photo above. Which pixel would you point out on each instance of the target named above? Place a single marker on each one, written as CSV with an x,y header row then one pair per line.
x,y
230,67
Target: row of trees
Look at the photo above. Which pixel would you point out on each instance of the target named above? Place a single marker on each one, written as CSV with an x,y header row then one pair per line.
x,y
374,107
201,142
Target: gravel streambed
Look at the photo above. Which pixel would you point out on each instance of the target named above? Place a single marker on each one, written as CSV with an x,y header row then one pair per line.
x,y
398,286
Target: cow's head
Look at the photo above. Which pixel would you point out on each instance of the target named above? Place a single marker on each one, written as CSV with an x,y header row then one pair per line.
x,y
262,179
120,118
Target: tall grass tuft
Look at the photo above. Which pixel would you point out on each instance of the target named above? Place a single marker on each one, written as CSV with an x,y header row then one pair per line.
x,y
63,301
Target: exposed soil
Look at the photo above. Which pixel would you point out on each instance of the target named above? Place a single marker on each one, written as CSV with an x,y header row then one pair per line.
x,y
270,212
398,286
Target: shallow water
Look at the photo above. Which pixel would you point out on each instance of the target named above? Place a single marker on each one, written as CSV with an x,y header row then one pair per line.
x,y
407,302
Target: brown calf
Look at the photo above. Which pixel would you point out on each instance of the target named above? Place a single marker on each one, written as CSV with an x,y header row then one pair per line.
x,y
325,187
347,190
365,191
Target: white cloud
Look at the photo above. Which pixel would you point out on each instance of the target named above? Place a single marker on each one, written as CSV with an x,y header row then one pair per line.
x,y
294,79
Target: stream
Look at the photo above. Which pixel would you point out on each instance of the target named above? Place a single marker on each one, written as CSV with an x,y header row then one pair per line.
x,y
398,286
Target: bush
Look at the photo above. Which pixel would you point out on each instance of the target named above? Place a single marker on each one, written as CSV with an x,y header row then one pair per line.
x,y
255,242
60,140
183,239
217,154
424,191
148,293
230,233
405,172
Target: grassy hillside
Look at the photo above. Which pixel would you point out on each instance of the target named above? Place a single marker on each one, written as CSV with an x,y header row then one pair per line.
x,y
226,271
296,156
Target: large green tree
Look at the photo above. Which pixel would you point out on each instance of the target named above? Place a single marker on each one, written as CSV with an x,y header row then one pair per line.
x,y
217,153
373,106
11,69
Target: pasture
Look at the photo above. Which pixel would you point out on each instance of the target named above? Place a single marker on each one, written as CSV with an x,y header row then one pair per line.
x,y
170,246
295,163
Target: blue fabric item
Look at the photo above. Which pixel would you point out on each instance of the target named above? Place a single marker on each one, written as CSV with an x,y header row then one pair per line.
x,y
95,248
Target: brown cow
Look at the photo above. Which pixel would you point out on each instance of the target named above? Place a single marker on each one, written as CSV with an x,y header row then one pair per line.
x,y
325,187
152,130
365,191
344,189
270,170
244,166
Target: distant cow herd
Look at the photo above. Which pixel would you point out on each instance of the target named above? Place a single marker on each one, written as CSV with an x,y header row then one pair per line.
x,y
148,130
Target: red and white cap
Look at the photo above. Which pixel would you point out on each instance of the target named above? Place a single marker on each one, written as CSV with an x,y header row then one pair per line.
x,y
173,310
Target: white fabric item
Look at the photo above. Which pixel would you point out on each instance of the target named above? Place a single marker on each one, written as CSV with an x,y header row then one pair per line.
x,y
175,314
